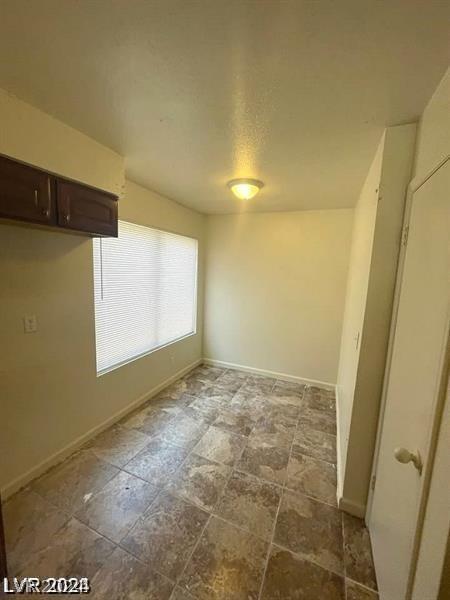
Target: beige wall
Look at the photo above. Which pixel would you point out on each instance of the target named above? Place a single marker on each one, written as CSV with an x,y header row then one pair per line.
x,y
34,137
275,288
49,392
370,294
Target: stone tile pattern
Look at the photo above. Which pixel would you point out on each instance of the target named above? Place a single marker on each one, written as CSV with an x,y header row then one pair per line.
x,y
222,487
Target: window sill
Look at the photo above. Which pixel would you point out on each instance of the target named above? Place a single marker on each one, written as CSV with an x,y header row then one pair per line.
x,y
143,354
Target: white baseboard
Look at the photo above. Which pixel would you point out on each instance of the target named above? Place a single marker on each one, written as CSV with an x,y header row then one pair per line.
x,y
348,506
284,376
339,474
352,508
60,455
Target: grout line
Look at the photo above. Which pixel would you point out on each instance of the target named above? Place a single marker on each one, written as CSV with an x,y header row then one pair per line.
x,y
293,437
117,545
125,470
259,479
366,587
210,516
179,578
283,487
320,501
146,564
286,488
312,457
71,512
270,541
189,454
263,578
241,528
278,511
308,560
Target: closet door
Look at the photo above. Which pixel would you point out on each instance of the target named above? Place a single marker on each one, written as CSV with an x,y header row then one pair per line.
x,y
413,389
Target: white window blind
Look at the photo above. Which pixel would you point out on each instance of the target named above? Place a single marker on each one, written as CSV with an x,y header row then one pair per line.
x,y
145,286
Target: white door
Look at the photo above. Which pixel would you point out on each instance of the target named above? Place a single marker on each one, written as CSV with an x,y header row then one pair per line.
x,y
413,382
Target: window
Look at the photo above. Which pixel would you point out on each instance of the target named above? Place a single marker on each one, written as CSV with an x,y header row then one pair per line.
x,y
145,286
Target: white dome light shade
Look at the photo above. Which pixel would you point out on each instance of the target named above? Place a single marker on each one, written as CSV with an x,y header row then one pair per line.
x,y
244,189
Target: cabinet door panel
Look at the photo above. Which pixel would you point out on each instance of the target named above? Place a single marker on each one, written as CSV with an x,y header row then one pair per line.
x,y
85,209
25,193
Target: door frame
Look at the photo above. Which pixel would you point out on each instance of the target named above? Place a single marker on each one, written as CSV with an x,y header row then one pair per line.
x,y
3,563
438,406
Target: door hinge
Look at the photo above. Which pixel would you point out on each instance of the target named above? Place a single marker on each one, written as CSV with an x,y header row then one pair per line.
x,y
379,193
405,234
372,482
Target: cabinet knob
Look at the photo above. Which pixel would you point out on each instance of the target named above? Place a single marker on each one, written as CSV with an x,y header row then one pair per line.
x,y
45,212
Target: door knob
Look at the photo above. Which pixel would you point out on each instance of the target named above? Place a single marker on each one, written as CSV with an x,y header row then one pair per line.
x,y
404,456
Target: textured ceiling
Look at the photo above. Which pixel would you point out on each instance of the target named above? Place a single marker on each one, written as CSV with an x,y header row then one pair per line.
x,y
194,93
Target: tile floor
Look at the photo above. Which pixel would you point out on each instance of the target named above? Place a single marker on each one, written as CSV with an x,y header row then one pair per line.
x,y
221,487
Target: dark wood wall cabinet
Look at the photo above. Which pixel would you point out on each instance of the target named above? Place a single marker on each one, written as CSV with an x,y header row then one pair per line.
x,y
34,196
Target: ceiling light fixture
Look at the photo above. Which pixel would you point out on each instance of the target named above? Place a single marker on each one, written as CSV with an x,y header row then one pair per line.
x,y
244,189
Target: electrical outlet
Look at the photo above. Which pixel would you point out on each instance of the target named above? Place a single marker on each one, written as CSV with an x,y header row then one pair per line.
x,y
30,324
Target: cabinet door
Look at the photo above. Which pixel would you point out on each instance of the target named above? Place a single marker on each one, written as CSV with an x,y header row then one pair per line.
x,y
85,209
25,193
